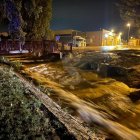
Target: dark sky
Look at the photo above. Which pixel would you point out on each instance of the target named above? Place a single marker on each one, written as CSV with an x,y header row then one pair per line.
x,y
85,15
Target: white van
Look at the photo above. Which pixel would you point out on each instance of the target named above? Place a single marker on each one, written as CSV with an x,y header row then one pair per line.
x,y
79,41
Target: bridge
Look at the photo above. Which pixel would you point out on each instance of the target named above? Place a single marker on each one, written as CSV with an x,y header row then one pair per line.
x,y
37,48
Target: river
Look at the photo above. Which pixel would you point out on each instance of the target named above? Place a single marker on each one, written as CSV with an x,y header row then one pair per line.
x,y
101,88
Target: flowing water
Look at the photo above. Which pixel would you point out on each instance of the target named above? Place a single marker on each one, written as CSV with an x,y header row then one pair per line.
x,y
95,98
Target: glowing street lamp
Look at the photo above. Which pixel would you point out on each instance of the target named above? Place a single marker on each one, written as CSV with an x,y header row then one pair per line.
x,y
129,27
120,33
112,30
106,35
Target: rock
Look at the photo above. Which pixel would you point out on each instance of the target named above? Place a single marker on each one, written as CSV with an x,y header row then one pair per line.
x,y
134,96
116,71
103,70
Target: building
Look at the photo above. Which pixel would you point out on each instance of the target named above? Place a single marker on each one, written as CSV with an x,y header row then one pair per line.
x,y
71,37
103,38
134,41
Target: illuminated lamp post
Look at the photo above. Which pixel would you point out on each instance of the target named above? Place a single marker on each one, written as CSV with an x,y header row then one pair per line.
x,y
129,27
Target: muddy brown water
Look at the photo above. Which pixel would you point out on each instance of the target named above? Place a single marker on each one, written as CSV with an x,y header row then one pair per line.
x,y
104,100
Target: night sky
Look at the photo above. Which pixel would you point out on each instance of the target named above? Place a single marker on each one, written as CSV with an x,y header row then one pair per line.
x,y
86,15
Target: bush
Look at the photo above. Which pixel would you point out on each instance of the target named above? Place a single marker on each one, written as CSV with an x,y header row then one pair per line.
x,y
16,65
20,115
3,59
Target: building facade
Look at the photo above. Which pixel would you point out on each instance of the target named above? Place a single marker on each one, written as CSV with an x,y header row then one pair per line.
x,y
134,42
103,38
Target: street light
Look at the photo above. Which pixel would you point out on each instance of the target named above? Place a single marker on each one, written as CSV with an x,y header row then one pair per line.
x,y
112,30
129,27
120,33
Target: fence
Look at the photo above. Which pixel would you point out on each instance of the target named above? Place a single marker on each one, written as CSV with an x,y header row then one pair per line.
x,y
32,47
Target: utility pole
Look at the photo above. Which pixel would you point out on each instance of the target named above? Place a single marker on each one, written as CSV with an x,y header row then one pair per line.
x,y
129,27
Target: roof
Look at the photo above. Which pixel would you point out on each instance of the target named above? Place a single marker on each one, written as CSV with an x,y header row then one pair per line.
x,y
65,31
102,30
61,32
65,39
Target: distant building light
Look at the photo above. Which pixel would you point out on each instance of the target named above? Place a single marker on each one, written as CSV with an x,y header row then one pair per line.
x,y
112,30
106,35
111,33
57,38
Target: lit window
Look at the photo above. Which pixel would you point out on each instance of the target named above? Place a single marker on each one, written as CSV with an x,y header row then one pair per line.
x,y
91,40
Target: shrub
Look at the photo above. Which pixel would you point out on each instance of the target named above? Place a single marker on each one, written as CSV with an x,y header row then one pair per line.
x,y
16,65
3,59
20,115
